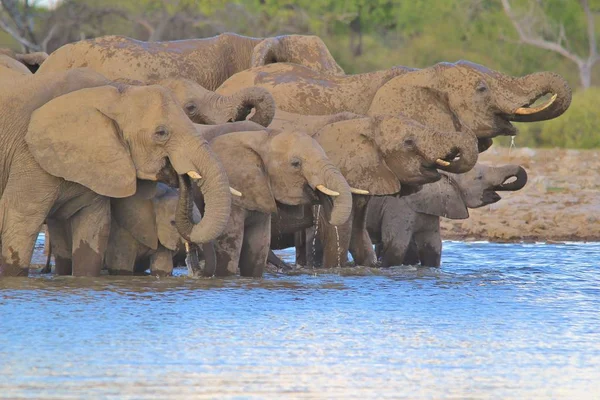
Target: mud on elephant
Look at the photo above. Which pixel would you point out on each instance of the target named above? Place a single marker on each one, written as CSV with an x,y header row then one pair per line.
x,y
208,62
381,155
406,230
71,141
270,167
460,96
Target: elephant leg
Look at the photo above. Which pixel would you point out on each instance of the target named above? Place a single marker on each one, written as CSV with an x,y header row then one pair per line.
x,y
411,257
60,245
161,262
255,246
278,262
361,246
396,234
210,259
121,253
229,245
313,246
332,248
430,248
300,244
90,228
23,210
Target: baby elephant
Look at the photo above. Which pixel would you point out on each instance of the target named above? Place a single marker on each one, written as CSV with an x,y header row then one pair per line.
x,y
143,233
406,229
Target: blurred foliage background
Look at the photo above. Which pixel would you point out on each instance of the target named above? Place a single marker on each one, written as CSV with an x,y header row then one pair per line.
x,y
513,36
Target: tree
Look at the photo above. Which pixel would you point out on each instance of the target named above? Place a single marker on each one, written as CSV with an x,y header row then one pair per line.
x,y
560,43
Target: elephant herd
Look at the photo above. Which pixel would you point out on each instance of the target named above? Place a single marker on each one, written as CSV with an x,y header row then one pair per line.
x,y
136,154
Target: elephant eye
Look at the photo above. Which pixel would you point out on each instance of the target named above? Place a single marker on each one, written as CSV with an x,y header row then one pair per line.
x,y
481,87
409,143
296,163
161,134
191,108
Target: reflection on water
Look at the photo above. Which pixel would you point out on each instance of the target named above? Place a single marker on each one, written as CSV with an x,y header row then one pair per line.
x,y
496,321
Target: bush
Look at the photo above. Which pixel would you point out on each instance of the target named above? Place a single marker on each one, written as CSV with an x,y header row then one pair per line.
x,y
577,128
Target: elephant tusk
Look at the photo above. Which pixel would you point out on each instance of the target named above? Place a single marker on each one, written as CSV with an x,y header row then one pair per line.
x,y
327,191
194,175
529,111
235,192
359,191
187,247
442,163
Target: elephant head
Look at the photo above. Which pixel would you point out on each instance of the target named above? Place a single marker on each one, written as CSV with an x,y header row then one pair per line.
x,y
24,64
453,195
206,107
468,96
108,137
307,50
379,154
149,215
283,166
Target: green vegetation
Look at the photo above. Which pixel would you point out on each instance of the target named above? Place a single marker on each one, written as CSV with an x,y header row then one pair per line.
x,y
512,36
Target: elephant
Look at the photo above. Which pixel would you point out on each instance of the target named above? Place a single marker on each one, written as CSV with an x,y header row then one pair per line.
x,y
68,175
21,64
270,167
461,96
208,62
209,108
407,229
380,155
151,239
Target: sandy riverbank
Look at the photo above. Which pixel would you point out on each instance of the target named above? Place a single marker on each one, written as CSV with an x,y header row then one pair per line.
x,y
561,201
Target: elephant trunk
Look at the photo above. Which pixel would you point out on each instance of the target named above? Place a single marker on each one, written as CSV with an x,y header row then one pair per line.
x,y
510,171
257,98
332,179
459,151
214,186
524,91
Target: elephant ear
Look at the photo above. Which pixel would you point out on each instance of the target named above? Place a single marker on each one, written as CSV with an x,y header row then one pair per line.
x,y
265,52
348,144
72,139
246,170
442,198
165,206
135,214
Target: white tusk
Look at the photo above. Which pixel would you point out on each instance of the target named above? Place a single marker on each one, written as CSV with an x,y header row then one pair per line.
x,y
529,111
358,191
327,191
442,163
187,247
235,192
194,175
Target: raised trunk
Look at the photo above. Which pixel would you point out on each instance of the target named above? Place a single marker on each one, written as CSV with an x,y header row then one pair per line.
x,y
507,172
215,190
460,150
523,92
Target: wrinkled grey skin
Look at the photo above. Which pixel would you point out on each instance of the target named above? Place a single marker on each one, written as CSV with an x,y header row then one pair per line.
x,y
269,167
208,62
407,229
71,141
142,233
461,96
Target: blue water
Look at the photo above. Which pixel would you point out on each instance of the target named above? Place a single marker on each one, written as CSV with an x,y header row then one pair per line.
x,y
501,321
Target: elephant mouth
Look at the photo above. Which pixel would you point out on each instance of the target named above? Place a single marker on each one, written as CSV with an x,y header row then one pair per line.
x,y
490,197
429,173
167,174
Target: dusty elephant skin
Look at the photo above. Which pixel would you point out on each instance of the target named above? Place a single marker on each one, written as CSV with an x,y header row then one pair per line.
x,y
450,97
270,167
406,229
381,156
208,62
71,141
20,64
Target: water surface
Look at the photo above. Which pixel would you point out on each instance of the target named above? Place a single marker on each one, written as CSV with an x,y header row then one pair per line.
x,y
510,321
